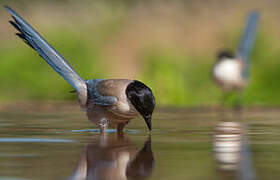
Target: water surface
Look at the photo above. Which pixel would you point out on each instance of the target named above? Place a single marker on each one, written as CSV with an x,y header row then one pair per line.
x,y
60,145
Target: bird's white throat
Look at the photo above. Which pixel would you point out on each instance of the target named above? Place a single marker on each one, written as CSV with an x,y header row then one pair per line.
x,y
228,70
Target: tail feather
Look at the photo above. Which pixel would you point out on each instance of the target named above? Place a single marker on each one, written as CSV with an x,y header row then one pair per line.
x,y
248,40
31,37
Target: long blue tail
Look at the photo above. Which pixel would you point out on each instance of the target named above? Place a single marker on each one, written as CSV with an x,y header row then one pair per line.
x,y
31,37
247,41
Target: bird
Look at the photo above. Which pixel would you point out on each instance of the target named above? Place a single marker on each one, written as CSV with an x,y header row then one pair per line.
x,y
231,71
114,158
108,102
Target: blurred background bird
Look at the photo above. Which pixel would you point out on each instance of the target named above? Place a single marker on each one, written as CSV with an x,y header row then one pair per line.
x,y
110,102
231,71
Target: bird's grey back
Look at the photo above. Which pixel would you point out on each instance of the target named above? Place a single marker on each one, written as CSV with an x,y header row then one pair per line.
x,y
107,92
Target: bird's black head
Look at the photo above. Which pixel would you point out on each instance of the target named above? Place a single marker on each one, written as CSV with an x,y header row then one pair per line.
x,y
142,98
225,54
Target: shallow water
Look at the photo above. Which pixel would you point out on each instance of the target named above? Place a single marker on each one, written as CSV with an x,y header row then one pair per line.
x,y
65,145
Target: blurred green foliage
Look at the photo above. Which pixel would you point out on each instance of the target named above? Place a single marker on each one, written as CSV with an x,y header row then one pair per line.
x,y
177,77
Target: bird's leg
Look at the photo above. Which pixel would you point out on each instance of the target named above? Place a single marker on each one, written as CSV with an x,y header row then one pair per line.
x,y
120,135
224,98
120,128
238,101
103,124
238,106
222,107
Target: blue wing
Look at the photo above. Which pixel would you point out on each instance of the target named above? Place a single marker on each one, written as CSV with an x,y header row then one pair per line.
x,y
97,97
31,37
248,39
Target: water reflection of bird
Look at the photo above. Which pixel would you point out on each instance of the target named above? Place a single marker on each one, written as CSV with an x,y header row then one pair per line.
x,y
232,152
227,145
114,158
110,102
231,72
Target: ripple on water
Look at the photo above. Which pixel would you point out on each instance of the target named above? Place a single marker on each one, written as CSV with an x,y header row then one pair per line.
x,y
107,130
34,140
11,178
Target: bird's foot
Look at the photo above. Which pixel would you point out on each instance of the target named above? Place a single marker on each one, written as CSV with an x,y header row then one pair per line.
x,y
103,124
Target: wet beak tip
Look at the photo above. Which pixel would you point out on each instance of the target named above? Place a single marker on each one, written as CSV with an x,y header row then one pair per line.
x,y
148,122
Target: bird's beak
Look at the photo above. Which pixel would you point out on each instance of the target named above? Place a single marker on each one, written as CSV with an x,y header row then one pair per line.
x,y
148,120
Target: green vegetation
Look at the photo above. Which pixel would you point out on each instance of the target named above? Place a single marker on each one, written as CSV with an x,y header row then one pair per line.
x,y
177,77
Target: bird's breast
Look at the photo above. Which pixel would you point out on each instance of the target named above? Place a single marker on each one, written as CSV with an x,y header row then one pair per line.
x,y
117,88
228,73
228,70
123,109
